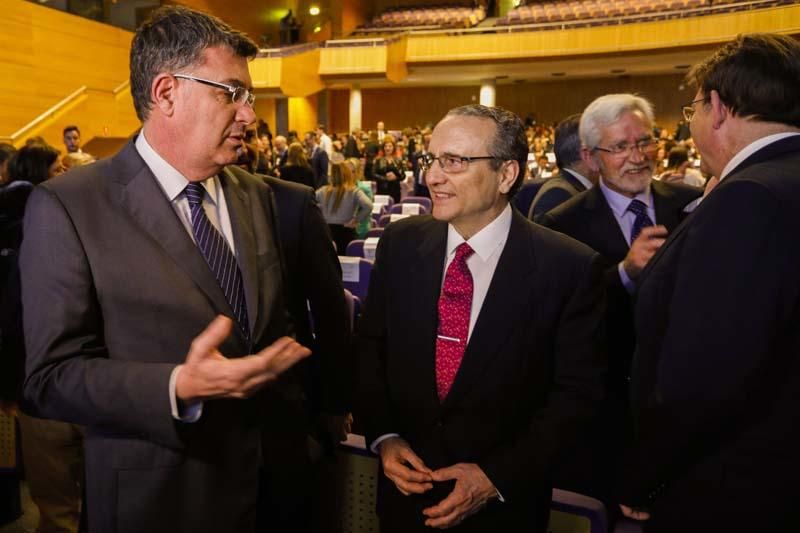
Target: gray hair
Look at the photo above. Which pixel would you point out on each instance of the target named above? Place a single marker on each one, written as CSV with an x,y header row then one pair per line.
x,y
173,38
606,110
509,143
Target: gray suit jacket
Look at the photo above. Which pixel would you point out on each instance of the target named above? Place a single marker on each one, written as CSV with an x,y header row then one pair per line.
x,y
114,290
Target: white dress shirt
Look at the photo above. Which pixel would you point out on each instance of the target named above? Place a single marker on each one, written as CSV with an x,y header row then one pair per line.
x,y
488,245
173,184
619,206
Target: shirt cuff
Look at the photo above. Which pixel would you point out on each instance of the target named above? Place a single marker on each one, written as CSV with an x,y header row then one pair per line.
x,y
374,446
187,413
627,282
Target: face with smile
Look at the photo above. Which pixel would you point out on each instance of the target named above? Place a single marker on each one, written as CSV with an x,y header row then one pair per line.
x,y
474,197
210,125
630,172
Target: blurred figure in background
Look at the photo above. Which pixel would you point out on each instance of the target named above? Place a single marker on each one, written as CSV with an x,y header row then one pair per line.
x,y
297,168
343,205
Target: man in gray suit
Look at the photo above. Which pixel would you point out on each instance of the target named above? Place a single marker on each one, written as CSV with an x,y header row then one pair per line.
x,y
152,293
576,175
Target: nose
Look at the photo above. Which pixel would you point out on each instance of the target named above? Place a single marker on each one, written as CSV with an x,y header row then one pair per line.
x,y
434,174
636,154
246,114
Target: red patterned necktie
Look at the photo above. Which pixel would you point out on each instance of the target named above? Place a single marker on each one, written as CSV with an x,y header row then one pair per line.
x,y
455,304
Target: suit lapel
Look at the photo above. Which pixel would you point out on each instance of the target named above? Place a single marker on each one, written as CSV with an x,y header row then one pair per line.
x,y
605,229
427,272
494,327
136,190
244,237
572,180
667,213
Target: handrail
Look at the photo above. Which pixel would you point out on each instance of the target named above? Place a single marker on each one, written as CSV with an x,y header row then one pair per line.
x,y
121,87
287,50
44,116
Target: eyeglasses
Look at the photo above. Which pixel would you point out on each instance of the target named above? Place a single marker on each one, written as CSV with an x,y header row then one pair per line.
x,y
452,164
239,95
689,110
644,146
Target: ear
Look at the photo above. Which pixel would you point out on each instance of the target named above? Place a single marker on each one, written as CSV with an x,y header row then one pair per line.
x,y
509,172
590,160
163,93
719,111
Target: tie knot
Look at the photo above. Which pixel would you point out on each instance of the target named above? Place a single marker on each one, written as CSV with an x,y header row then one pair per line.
x,y
194,193
463,252
637,207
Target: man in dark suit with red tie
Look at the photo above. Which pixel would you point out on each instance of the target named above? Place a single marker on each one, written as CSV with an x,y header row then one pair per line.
x,y
716,372
473,379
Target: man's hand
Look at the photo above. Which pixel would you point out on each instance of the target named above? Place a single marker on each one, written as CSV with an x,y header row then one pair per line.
x,y
634,514
208,374
406,470
473,489
643,249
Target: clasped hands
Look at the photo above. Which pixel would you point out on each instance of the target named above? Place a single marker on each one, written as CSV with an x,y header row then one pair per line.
x,y
207,373
410,475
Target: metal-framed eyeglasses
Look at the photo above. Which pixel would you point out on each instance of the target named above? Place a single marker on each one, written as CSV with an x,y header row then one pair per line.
x,y
645,147
689,109
239,94
450,163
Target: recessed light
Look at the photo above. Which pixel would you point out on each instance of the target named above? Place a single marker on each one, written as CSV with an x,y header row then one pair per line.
x,y
682,67
558,74
617,71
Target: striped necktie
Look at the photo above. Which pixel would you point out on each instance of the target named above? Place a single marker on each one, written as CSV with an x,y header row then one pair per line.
x,y
218,255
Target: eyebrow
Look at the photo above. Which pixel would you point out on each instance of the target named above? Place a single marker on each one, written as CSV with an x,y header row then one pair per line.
x,y
236,83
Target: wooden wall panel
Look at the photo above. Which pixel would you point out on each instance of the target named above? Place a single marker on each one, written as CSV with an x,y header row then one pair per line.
x,y
303,114
550,101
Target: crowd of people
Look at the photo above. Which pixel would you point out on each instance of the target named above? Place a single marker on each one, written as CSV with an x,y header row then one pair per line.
x,y
177,343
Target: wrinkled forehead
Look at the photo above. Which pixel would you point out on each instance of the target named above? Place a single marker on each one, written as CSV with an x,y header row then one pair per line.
x,y
630,125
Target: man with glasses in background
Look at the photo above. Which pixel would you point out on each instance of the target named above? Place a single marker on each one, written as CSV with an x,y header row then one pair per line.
x,y
626,219
717,368
153,296
474,378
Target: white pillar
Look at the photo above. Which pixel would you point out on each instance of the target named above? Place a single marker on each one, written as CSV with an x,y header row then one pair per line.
x,y
355,107
488,93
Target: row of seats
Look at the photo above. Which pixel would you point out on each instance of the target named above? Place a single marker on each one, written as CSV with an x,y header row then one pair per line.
x,y
440,17
570,10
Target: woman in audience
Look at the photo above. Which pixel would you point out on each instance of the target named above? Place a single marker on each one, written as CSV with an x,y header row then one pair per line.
x,y
343,205
389,170
679,171
366,187
297,168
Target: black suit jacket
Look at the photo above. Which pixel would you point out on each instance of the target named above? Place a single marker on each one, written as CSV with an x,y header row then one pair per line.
x,y
113,291
314,280
716,370
530,375
588,218
554,192
319,164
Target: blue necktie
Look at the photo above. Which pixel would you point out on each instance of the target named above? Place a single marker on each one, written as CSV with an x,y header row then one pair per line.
x,y
218,256
638,208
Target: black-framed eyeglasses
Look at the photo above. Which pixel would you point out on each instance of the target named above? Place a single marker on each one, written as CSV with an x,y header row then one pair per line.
x,y
689,110
645,146
451,163
239,95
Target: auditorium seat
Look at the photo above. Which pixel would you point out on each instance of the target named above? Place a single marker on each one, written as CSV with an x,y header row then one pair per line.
x,y
422,200
356,272
355,248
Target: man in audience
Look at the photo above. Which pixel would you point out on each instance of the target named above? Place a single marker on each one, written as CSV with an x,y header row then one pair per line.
x,y
575,174
716,370
381,130
472,442
318,159
127,265
281,150
420,188
72,139
324,141
625,218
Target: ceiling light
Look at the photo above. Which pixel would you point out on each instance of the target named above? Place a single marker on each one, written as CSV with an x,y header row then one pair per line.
x,y
313,11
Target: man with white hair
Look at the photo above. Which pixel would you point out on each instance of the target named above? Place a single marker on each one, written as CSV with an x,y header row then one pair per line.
x,y
625,219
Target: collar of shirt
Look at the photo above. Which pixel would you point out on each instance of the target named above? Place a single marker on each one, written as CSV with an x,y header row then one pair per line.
x,y
752,148
619,202
487,241
585,181
171,181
